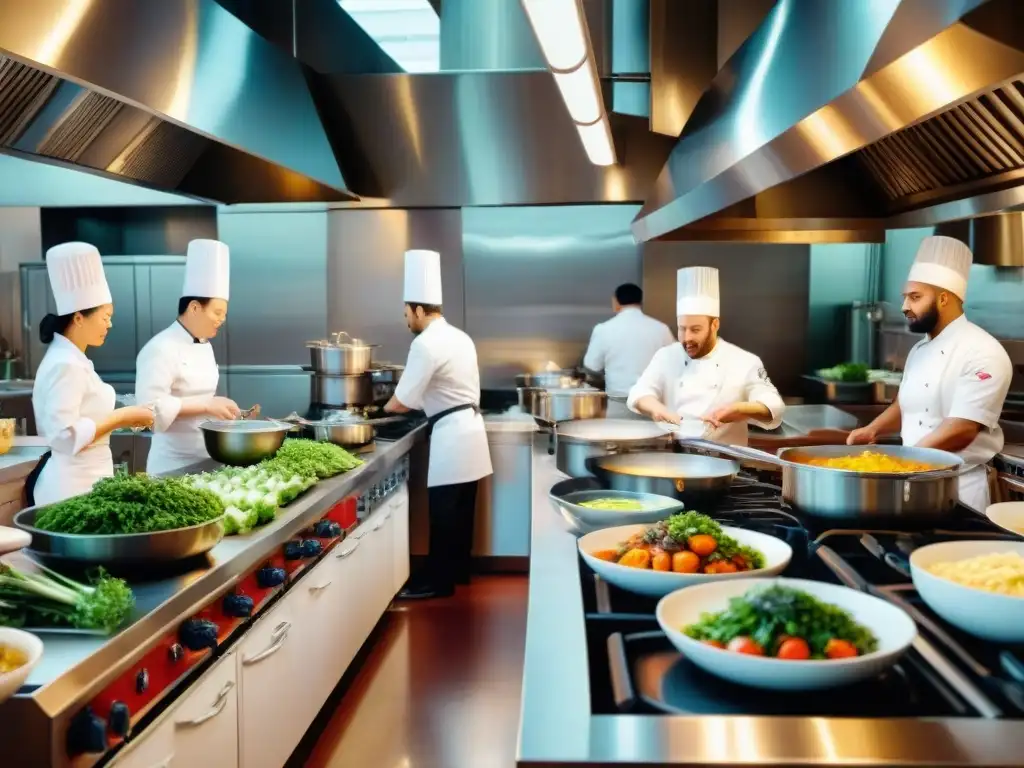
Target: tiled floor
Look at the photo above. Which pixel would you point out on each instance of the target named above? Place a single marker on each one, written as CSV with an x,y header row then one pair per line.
x,y
440,689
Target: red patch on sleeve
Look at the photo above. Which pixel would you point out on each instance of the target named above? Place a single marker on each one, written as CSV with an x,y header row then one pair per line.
x,y
984,376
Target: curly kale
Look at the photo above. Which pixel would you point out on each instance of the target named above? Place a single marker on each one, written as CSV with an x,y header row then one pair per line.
x,y
310,459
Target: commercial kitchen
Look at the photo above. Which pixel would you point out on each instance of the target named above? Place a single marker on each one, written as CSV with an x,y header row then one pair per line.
x,y
549,151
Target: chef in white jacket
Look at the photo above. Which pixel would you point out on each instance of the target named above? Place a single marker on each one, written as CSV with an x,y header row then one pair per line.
x,y
176,370
442,378
955,379
703,383
74,409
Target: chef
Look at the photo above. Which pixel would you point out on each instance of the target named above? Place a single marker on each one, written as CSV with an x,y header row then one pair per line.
x,y
74,409
705,384
442,379
176,370
955,379
623,346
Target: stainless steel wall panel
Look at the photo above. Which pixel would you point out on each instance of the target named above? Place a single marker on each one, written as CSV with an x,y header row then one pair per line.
x,y
279,390
278,292
365,271
487,35
764,297
539,279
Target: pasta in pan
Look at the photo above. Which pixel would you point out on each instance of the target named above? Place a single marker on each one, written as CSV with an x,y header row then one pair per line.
x,y
870,461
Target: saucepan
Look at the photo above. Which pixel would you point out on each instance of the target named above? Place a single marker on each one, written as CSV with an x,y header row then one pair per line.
x,y
244,442
840,494
694,480
348,431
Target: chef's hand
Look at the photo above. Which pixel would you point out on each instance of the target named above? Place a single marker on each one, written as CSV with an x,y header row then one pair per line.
x,y
727,414
223,408
134,417
659,412
862,436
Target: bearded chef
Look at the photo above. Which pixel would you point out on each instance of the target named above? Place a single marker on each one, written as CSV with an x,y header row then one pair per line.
x,y
74,409
442,379
955,379
704,383
176,370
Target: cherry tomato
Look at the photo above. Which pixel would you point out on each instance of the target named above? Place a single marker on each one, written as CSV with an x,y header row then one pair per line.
x,y
714,643
661,561
720,566
745,645
794,648
741,562
685,562
840,649
702,544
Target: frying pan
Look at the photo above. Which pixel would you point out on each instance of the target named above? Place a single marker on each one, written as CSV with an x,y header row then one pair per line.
x,y
692,479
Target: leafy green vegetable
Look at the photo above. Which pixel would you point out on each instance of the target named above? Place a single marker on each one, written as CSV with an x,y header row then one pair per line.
x,y
847,372
131,504
50,599
683,525
309,458
769,612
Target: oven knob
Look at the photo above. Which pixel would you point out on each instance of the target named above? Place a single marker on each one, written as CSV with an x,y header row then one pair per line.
x,y
175,653
311,548
238,606
87,734
198,634
292,550
142,681
120,719
269,577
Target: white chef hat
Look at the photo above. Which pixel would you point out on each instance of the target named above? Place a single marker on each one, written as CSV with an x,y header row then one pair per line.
x,y
207,270
697,291
944,262
423,277
76,277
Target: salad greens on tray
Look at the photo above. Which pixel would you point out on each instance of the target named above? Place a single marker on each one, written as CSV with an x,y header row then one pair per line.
x,y
784,623
48,599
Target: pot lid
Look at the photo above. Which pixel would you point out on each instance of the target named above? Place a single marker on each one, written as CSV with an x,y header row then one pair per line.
x,y
602,430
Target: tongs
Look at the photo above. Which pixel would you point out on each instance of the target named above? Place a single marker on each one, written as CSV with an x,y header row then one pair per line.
x,y
251,413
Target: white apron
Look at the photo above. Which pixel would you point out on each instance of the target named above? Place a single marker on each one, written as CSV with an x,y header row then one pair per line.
x,y
698,393
181,444
459,452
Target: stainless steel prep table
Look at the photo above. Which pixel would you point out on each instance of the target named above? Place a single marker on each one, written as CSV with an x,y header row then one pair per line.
x,y
75,667
557,728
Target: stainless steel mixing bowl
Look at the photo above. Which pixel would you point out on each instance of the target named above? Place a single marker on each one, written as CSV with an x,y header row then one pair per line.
x,y
242,443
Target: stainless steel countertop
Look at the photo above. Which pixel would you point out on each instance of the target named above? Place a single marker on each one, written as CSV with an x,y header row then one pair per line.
x,y
557,728
75,667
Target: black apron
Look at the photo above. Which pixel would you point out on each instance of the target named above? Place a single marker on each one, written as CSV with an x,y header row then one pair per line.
x,y
33,478
432,420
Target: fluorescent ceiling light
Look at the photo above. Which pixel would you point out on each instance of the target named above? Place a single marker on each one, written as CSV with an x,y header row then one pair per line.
x,y
559,30
580,93
597,141
406,30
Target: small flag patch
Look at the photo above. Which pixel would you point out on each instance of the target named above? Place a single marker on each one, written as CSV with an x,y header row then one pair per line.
x,y
984,376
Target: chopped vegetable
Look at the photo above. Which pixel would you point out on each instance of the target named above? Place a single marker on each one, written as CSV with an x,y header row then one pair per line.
x,y
309,458
846,372
49,599
686,525
774,616
131,504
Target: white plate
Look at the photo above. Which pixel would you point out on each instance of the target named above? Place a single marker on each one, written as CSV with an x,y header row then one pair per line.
x,y
645,581
985,614
28,644
1009,516
13,539
893,628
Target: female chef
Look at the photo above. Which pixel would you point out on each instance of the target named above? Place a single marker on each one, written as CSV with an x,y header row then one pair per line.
x,y
176,370
74,409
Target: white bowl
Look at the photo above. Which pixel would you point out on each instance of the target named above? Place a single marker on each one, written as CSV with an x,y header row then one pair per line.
x,y
985,614
894,629
645,581
28,644
1008,515
13,539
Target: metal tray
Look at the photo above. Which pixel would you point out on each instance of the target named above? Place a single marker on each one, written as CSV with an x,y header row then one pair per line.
x,y
155,547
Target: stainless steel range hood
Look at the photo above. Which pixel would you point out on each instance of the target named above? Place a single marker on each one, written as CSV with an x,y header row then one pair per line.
x,y
837,120
178,96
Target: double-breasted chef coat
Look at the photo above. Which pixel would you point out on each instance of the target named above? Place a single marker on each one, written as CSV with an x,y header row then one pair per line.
x,y
69,399
693,388
962,373
441,373
173,369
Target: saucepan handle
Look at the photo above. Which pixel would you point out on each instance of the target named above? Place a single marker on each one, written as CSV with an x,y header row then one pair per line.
x,y
734,451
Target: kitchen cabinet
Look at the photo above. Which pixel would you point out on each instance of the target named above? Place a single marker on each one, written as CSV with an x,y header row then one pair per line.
x,y
400,538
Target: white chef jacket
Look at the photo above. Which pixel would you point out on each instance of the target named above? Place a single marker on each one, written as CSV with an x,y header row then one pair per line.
x,y
173,369
69,399
441,373
694,388
963,373
623,347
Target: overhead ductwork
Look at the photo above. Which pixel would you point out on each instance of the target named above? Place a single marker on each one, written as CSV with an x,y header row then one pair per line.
x,y
837,120
997,241
177,96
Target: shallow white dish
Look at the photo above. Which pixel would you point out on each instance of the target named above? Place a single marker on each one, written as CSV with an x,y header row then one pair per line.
x,y
1009,515
13,539
28,644
894,629
985,614
777,555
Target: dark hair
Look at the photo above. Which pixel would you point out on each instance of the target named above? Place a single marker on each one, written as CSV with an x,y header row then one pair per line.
x,y
428,309
184,301
51,325
628,293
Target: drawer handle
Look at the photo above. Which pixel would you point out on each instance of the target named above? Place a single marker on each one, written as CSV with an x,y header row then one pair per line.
x,y
321,587
218,707
345,553
277,637
380,525
358,536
